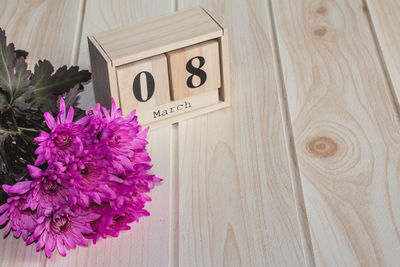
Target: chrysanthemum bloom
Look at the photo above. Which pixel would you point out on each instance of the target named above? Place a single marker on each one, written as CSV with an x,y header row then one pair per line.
x,y
89,174
112,221
49,189
20,218
96,121
65,137
62,228
94,183
122,137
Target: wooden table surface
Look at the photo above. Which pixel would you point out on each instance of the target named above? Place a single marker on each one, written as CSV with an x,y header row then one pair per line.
x,y
302,170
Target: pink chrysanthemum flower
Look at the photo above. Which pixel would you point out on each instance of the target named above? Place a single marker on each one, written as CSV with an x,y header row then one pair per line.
x,y
96,122
65,137
113,221
122,137
90,176
49,190
20,218
62,228
93,181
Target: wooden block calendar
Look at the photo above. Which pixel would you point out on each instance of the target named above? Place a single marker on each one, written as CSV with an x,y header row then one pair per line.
x,y
169,69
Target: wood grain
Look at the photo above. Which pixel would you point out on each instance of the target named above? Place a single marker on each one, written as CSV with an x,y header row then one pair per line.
x,y
385,23
345,129
35,26
14,252
44,28
236,198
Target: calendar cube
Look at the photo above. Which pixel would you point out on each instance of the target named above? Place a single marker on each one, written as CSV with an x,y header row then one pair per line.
x,y
194,70
169,68
145,83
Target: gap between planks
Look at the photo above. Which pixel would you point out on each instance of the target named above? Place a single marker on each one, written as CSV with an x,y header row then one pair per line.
x,y
174,197
174,5
78,33
382,62
174,183
305,234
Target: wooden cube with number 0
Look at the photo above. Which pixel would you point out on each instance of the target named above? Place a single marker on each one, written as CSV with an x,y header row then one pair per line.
x,y
148,81
169,69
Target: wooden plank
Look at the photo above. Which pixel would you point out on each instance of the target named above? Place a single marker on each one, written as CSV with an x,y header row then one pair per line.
x,y
45,28
147,243
14,252
35,26
385,24
236,199
346,131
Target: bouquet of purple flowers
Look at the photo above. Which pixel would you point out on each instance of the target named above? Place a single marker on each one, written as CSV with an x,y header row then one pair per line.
x,y
90,174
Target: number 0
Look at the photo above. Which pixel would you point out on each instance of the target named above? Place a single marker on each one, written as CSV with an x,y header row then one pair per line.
x,y
137,87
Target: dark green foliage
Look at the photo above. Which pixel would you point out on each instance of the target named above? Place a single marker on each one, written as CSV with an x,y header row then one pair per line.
x,y
24,97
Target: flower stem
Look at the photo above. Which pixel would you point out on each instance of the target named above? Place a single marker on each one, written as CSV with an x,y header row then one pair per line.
x,y
29,129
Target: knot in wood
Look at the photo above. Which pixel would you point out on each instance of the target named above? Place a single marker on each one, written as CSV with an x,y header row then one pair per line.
x,y
322,147
320,31
321,10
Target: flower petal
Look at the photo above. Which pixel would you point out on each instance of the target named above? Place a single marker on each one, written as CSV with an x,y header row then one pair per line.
x,y
60,248
51,243
34,171
3,207
61,115
39,230
50,121
70,115
40,160
43,136
4,218
18,188
7,229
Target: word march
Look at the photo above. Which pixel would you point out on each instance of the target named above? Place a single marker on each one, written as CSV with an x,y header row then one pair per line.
x,y
165,112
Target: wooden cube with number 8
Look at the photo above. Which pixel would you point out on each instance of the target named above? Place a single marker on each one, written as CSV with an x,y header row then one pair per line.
x,y
194,70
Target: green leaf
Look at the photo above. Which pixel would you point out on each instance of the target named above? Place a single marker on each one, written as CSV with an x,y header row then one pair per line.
x,y
7,58
72,96
3,138
21,53
22,102
48,86
22,75
14,75
3,102
71,99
